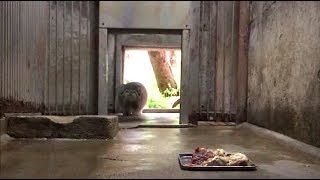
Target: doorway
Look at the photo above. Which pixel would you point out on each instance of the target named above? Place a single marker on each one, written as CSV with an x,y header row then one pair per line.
x,y
159,70
131,56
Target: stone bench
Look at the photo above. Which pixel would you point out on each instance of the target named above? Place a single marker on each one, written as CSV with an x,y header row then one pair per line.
x,y
71,127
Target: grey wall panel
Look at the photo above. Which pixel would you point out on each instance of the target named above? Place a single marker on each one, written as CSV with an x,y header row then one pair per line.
x,y
71,76
145,14
22,51
47,56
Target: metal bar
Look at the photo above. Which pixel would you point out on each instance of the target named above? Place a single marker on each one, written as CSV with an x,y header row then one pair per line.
x,y
224,68
199,50
209,56
71,106
233,62
16,52
48,67
28,52
215,65
79,39
88,57
211,45
56,72
5,69
32,31
1,48
11,53
19,80
23,60
63,58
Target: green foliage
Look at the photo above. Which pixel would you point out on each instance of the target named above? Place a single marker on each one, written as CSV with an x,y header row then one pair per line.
x,y
156,100
169,92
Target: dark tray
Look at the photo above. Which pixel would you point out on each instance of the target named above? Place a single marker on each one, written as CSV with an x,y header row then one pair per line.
x,y
185,158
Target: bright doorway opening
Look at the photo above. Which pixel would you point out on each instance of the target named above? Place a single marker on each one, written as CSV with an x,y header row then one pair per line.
x,y
159,70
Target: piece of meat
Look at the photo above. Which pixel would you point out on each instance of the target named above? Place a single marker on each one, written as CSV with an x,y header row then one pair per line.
x,y
238,159
216,161
201,154
220,152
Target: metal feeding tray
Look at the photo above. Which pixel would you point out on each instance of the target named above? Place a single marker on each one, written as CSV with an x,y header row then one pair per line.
x,y
185,158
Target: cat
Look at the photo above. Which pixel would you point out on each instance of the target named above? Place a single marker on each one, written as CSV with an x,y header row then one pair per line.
x,y
132,98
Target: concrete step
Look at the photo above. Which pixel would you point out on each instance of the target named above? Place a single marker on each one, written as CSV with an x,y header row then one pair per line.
x,y
72,127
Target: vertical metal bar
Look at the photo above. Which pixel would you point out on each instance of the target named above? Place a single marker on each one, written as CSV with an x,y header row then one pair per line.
x,y
23,46
39,68
212,44
56,72
233,62
48,66
215,64
224,67
18,50
71,105
19,80
63,57
2,6
33,51
209,58
1,46
6,74
29,43
88,57
200,47
28,51
11,53
34,69
79,37
7,50
16,65
5,69
13,67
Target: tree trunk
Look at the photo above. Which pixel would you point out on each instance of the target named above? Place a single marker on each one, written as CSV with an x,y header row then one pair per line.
x,y
162,70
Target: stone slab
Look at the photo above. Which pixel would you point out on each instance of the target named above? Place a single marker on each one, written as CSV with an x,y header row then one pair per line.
x,y
75,127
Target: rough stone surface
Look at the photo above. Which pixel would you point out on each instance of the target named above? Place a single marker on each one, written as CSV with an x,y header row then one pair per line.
x,y
82,127
284,51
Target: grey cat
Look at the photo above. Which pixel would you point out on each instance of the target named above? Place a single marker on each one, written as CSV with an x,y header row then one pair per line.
x,y
132,98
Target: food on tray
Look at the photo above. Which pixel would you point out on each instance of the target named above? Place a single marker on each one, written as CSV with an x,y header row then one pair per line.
x,y
238,159
208,157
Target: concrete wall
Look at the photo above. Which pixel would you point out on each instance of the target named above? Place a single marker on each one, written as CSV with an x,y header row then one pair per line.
x,y
23,27
48,56
284,59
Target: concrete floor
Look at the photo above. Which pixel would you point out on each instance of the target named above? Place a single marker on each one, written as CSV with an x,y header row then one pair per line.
x,y
151,153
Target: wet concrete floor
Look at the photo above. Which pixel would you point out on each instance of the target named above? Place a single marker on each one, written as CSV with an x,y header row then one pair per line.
x,y
151,153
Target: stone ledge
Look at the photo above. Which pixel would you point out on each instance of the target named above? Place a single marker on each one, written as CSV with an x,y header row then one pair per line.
x,y
76,127
283,139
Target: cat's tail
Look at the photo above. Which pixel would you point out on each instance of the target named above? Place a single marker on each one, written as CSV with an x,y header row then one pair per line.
x,y
176,103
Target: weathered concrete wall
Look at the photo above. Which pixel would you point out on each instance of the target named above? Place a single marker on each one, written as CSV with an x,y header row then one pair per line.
x,y
48,56
284,59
